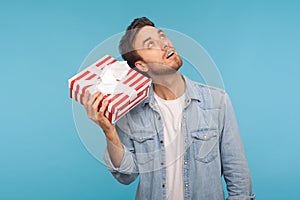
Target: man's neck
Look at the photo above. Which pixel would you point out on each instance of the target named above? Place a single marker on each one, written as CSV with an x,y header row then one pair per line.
x,y
169,87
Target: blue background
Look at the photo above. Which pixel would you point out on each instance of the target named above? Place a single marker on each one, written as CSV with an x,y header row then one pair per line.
x,y
255,45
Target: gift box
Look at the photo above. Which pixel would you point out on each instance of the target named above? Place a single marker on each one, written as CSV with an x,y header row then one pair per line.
x,y
123,87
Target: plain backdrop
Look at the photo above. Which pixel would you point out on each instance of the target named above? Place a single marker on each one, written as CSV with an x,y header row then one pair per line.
x,y
255,45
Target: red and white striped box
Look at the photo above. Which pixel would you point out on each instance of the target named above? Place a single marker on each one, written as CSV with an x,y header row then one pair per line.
x,y
132,88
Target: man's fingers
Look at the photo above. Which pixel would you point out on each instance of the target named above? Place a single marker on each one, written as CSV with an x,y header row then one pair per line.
x,y
88,101
103,107
96,104
105,123
93,98
85,98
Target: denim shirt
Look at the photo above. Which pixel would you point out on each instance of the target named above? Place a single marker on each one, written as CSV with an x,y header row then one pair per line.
x,y
213,148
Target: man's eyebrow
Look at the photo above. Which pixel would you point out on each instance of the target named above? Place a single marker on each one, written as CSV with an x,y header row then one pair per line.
x,y
149,38
160,31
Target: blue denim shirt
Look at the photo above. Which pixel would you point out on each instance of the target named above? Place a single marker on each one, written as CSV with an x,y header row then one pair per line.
x,y
213,148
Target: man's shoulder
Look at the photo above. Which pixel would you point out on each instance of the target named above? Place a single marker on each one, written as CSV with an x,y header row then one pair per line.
x,y
209,88
209,96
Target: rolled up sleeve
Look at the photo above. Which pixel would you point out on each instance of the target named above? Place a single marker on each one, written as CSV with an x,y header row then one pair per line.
x,y
128,170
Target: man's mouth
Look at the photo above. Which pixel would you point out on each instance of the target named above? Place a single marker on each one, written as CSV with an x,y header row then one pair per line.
x,y
170,53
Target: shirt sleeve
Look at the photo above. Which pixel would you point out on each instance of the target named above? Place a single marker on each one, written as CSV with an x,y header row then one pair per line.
x,y
234,163
128,171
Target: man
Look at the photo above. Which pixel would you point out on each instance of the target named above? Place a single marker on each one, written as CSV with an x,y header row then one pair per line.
x,y
182,138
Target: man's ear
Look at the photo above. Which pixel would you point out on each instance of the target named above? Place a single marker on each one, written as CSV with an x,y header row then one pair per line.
x,y
141,66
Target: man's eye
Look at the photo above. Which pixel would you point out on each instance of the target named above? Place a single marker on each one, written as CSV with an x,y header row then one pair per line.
x,y
150,44
163,36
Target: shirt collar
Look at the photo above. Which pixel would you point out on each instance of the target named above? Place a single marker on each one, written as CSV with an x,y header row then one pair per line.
x,y
191,93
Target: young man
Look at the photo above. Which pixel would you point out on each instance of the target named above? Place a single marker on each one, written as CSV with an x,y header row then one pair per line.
x,y
182,138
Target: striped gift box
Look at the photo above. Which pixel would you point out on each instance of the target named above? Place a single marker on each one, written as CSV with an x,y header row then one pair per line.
x,y
118,104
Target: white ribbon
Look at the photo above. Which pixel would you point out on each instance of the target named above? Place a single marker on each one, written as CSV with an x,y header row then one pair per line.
x,y
111,79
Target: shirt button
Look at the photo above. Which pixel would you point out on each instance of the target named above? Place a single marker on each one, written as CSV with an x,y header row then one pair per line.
x,y
186,185
161,141
185,162
159,118
163,185
162,163
205,137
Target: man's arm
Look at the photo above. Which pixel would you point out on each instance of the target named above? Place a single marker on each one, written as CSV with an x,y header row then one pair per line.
x,y
234,163
119,159
114,145
127,172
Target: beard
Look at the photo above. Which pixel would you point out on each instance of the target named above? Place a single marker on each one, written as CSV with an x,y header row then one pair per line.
x,y
158,69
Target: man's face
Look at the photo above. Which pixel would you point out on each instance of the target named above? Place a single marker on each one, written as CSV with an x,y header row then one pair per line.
x,y
158,54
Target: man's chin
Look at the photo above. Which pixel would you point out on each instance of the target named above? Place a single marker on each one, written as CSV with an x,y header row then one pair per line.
x,y
177,64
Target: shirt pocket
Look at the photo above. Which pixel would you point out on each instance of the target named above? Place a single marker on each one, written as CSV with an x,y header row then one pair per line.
x,y
205,144
144,148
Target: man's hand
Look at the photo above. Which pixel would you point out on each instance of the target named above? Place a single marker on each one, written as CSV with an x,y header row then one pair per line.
x,y
95,112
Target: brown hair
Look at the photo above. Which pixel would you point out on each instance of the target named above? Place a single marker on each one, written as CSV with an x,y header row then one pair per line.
x,y
126,47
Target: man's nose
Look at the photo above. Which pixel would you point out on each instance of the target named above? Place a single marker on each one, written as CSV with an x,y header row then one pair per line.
x,y
164,44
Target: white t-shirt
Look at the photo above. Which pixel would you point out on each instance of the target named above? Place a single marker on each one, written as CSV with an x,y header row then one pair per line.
x,y
171,113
